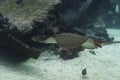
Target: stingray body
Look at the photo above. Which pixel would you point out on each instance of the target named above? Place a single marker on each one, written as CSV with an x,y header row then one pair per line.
x,y
71,41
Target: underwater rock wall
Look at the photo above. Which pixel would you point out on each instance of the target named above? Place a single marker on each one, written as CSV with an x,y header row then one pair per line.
x,y
16,17
80,16
42,19
111,18
76,16
21,14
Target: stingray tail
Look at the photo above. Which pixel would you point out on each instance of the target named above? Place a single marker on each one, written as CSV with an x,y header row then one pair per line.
x,y
116,41
109,43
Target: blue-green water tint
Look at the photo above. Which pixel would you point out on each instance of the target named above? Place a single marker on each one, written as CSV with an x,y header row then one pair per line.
x,y
105,65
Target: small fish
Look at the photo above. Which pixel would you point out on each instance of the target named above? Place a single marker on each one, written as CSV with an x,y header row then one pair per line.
x,y
84,72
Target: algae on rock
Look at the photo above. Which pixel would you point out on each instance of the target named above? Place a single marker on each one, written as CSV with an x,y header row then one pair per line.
x,y
22,14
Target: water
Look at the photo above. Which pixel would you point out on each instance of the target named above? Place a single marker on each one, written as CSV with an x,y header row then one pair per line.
x,y
104,65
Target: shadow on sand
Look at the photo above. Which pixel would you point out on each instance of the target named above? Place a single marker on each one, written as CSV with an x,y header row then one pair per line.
x,y
11,56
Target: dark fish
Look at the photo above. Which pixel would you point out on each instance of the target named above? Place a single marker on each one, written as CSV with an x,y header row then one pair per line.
x,y
19,1
84,71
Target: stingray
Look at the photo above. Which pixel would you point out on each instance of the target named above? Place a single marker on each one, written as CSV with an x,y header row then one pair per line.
x,y
72,41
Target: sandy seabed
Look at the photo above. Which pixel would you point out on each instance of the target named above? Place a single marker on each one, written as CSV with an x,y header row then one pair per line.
x,y
105,65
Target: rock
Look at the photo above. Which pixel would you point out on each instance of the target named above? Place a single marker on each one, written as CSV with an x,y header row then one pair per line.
x,y
50,17
23,14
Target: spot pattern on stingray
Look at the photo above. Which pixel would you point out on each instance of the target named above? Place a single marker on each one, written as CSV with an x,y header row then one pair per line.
x,y
69,40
